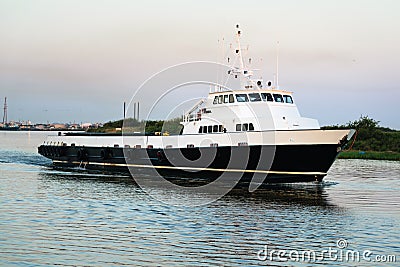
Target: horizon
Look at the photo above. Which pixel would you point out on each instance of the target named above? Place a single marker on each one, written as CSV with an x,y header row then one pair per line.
x,y
78,61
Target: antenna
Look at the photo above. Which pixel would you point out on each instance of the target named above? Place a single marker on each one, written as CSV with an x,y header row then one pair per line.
x,y
220,75
5,111
239,48
277,65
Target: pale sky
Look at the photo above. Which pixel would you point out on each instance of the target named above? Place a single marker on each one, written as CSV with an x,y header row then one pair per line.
x,y
65,61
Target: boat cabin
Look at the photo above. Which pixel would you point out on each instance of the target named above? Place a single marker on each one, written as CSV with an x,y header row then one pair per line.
x,y
246,110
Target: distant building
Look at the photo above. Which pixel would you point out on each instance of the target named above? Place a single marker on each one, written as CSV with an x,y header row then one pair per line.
x,y
74,126
57,126
41,126
86,125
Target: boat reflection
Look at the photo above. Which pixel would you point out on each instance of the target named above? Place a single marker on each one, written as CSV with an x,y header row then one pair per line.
x,y
306,194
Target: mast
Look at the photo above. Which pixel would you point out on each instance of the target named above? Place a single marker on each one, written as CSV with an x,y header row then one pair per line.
x,y
240,71
239,48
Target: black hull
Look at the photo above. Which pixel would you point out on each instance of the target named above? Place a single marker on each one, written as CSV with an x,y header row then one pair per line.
x,y
280,164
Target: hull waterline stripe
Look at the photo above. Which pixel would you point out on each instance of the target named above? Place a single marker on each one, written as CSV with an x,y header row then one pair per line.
x,y
188,168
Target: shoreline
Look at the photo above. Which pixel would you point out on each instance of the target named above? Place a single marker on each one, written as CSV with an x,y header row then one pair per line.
x,y
374,155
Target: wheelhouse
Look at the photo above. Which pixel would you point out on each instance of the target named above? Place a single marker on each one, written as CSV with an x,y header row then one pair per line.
x,y
252,96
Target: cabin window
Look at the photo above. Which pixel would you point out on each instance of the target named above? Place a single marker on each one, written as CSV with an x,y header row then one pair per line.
x,y
242,98
225,98
215,100
220,99
245,127
254,97
278,98
288,99
267,97
231,99
213,128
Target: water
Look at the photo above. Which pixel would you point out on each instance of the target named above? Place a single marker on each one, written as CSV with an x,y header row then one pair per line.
x,y
50,217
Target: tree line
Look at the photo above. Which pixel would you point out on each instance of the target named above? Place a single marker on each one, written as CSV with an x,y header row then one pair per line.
x,y
370,136
172,126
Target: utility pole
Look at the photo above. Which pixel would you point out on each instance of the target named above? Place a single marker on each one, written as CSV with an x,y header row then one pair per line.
x,y
138,111
124,109
5,111
134,111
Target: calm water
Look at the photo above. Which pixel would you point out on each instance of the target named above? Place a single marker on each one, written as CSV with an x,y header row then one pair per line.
x,y
50,217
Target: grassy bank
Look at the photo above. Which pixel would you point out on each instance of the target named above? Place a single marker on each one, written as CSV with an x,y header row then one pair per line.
x,y
371,141
378,155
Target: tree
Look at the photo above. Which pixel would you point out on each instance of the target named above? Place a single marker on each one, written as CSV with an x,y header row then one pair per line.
x,y
370,136
363,122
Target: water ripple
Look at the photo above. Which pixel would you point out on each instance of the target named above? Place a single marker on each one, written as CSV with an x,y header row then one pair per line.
x,y
52,217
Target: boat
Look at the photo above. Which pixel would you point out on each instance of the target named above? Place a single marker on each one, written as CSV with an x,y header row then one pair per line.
x,y
253,132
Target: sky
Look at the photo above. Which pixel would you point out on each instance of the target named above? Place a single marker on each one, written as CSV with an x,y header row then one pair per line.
x,y
78,61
